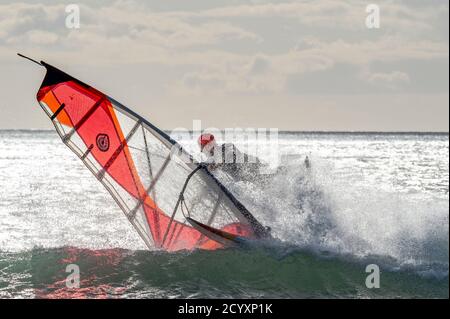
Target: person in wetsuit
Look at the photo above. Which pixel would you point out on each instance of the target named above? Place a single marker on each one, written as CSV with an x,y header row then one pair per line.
x,y
228,158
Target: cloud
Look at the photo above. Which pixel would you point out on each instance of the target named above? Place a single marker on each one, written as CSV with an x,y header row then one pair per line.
x,y
349,14
42,37
117,21
259,65
390,80
224,49
19,18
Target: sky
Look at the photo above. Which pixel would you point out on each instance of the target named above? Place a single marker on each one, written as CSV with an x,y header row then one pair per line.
x,y
290,65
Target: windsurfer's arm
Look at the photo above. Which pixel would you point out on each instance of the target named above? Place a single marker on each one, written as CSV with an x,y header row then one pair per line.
x,y
234,155
212,166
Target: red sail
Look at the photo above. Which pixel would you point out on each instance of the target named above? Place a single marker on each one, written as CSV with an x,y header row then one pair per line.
x,y
135,161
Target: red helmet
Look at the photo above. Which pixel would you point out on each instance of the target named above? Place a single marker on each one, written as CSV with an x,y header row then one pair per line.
x,y
204,139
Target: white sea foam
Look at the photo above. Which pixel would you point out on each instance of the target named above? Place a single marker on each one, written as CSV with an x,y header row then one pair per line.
x,y
365,195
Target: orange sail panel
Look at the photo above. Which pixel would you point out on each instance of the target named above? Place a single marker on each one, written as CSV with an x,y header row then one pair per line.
x,y
137,164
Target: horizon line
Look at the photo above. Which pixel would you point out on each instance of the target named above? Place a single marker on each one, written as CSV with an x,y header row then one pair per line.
x,y
281,131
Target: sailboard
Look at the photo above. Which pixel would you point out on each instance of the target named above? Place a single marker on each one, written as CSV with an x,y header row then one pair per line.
x,y
173,201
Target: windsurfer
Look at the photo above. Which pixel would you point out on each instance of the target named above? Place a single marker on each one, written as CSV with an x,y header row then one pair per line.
x,y
228,158
307,162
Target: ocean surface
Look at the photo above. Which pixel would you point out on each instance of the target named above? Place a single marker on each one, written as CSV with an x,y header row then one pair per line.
x,y
368,198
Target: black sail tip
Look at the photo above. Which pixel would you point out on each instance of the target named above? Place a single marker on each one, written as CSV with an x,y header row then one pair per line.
x,y
30,59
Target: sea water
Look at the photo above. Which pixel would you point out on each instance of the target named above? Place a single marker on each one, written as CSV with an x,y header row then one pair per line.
x,y
367,199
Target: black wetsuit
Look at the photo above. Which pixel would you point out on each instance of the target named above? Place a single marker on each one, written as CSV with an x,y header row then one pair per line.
x,y
236,163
